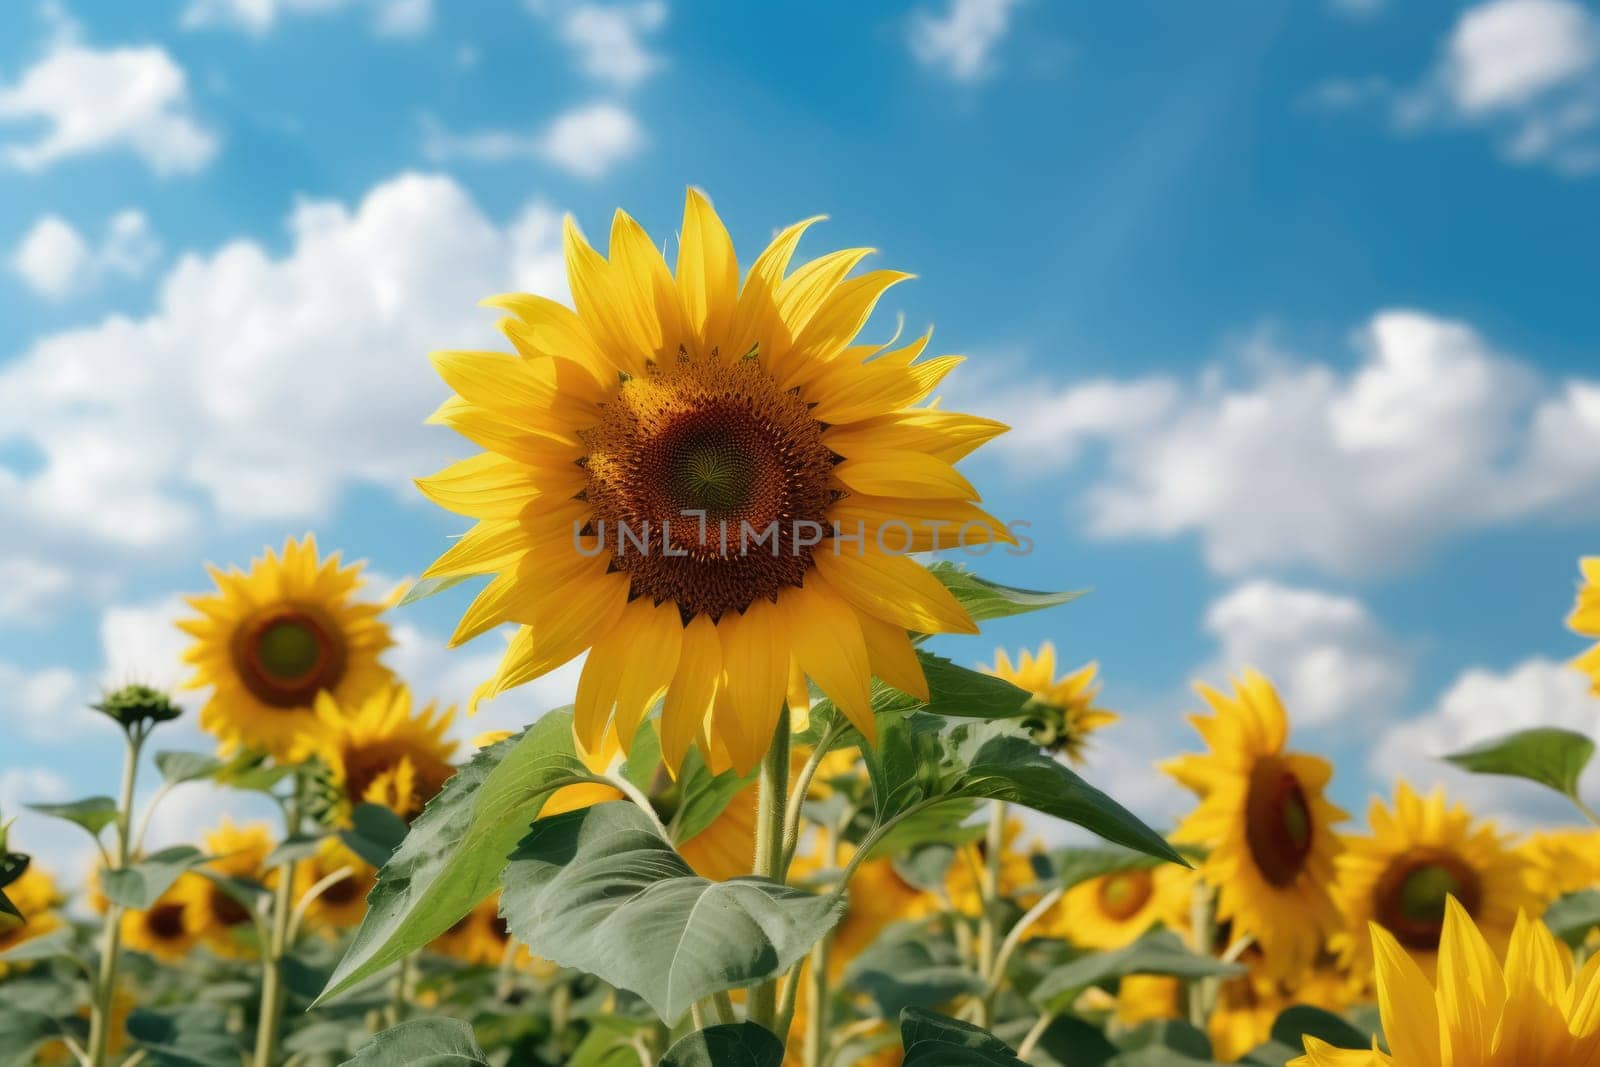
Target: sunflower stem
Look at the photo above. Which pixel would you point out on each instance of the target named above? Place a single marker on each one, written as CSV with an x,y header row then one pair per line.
x,y
272,978
1202,919
1031,1041
771,814
105,985
989,907
802,785
1588,812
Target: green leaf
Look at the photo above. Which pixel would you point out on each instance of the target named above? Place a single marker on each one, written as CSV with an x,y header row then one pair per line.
x,y
1548,755
1072,866
941,824
1067,1042
990,600
703,796
375,832
934,1040
961,692
1164,1043
908,968
10,917
1157,952
600,890
179,767
138,885
1289,1032
248,772
609,1043
422,1043
292,850
55,944
23,1031
427,587
1574,915
92,813
453,855
727,1045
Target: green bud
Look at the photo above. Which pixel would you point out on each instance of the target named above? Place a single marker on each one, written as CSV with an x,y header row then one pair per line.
x,y
135,705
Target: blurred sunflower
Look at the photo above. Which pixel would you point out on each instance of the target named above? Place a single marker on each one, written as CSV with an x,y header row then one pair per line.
x,y
1263,817
378,752
213,914
1562,861
1417,855
729,431
1143,998
1062,714
162,930
271,639
1532,1011
1248,1005
35,897
878,897
1114,909
1585,618
482,938
344,902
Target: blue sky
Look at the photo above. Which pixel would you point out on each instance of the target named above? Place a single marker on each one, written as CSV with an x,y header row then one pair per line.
x,y
1291,305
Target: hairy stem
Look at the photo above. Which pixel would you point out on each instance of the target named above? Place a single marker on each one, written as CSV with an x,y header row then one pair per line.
x,y
771,812
105,985
272,977
989,906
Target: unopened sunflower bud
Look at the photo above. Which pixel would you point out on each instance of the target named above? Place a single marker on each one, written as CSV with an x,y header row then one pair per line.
x,y
136,705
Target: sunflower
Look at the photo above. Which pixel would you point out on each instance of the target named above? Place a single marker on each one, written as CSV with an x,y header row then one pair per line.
x,y
162,930
378,752
1142,998
1114,909
270,640
1263,817
1062,714
1248,1005
1562,861
213,914
36,898
1585,618
1532,1010
343,902
708,486
482,938
1417,855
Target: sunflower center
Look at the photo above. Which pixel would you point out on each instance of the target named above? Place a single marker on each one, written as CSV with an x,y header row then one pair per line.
x,y
1278,825
345,891
165,922
226,910
1122,895
365,765
1410,897
710,486
287,655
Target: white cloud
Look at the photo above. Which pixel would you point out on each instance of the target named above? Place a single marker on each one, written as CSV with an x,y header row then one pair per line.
x,y
960,43
396,18
262,385
1331,661
30,588
42,704
90,100
1302,462
587,141
1482,704
608,40
56,261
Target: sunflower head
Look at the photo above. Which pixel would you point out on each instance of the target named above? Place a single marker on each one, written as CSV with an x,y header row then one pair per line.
x,y
342,881
1061,715
34,895
709,485
214,914
162,930
1112,910
1264,819
1562,861
380,751
137,706
271,639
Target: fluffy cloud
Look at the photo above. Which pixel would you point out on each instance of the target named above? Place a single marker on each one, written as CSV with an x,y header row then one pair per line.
x,y
29,588
1482,704
588,141
960,43
399,18
79,101
42,704
264,384
1330,659
56,261
1302,462
608,41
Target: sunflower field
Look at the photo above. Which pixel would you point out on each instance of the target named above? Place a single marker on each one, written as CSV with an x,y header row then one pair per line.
x,y
771,826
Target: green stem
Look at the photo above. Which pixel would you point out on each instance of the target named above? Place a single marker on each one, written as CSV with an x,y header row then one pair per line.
x,y
802,785
989,905
273,991
771,813
1588,812
1031,1041
1201,919
111,945
816,1040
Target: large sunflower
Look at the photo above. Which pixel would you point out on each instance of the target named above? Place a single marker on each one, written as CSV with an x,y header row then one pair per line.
x,y
162,930
214,914
377,751
1263,817
1062,714
1585,618
1114,909
269,640
1532,1011
342,902
36,898
1421,852
707,485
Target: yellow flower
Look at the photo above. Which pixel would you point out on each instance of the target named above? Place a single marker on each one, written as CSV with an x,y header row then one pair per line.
x,y
1585,618
1562,861
1533,1011
1114,909
1263,817
271,639
163,930
624,438
1248,1005
378,752
1416,856
35,897
223,922
1062,714
482,938
344,902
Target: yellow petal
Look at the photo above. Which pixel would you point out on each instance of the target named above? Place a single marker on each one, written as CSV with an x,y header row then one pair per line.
x,y
708,272
831,649
896,588
656,641
693,692
755,666
1406,1003
883,472
893,657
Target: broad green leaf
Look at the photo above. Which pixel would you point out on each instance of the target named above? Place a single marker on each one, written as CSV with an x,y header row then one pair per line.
x,y
248,772
1164,1043
179,767
609,1043
23,1031
702,796
1067,1042
727,1045
422,1043
600,890
293,850
13,865
10,917
1158,952
907,967
92,813
961,692
375,832
1071,866
643,761
934,1040
453,855
56,943
1574,915
1548,755
990,600
942,824
138,885
427,587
